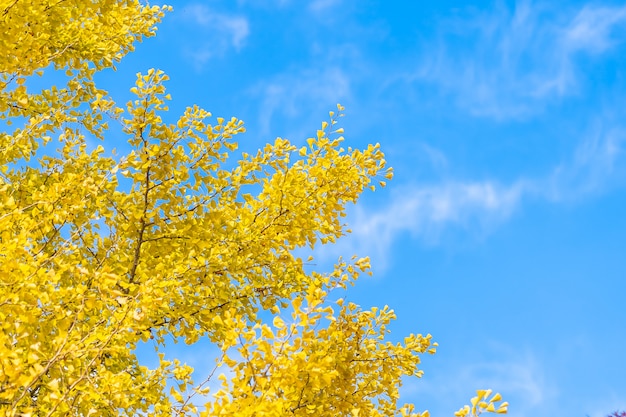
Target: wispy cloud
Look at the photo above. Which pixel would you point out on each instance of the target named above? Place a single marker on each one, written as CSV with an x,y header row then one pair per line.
x,y
301,95
509,63
517,375
319,6
592,29
597,164
221,32
425,211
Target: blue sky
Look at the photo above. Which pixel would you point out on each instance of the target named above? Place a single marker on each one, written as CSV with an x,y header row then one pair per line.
x,y
503,232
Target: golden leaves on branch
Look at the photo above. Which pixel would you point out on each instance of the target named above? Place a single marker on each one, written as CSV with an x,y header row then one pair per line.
x,y
182,238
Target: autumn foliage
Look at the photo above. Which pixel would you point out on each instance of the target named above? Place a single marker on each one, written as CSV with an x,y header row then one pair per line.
x,y
173,240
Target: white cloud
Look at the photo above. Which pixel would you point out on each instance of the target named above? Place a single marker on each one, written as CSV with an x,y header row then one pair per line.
x,y
597,164
220,32
318,6
426,211
235,28
303,95
517,60
535,381
592,29
518,376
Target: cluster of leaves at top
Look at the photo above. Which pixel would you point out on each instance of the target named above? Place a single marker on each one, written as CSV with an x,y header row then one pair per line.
x,y
99,253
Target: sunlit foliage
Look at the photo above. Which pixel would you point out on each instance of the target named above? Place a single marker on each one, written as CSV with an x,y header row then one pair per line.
x,y
181,238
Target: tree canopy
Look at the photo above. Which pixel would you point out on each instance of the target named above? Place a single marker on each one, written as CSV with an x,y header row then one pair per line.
x,y
181,238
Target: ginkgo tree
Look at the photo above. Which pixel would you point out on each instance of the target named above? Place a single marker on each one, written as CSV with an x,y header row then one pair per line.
x,y
172,241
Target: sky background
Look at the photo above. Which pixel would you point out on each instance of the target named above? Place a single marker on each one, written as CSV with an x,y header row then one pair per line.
x,y
503,232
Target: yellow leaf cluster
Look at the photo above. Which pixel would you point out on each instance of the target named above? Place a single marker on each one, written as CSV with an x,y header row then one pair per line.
x,y
100,253
482,403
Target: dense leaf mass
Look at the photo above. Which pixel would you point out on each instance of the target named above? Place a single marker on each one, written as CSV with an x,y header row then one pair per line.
x,y
100,253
